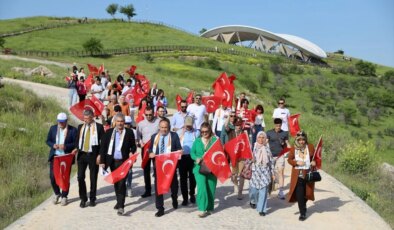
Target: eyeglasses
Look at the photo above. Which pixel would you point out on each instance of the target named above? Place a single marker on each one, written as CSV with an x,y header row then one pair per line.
x,y
232,115
301,134
198,98
148,115
205,132
183,107
281,103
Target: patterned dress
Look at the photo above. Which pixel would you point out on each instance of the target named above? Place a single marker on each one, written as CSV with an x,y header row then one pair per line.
x,y
261,175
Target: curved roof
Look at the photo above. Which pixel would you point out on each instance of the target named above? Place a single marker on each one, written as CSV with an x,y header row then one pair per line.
x,y
248,33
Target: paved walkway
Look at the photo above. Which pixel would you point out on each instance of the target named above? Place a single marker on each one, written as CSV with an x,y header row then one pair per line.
x,y
335,207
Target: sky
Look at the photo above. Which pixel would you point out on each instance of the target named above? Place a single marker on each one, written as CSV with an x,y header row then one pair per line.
x,y
362,28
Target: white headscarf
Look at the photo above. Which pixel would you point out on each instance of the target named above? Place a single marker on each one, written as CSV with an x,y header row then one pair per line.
x,y
260,151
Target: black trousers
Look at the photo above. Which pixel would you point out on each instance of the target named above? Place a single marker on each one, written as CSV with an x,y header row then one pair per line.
x,y
300,191
56,188
120,186
186,165
85,160
147,180
174,192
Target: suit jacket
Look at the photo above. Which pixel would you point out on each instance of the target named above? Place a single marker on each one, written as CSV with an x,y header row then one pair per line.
x,y
95,148
153,92
175,143
69,142
127,147
310,187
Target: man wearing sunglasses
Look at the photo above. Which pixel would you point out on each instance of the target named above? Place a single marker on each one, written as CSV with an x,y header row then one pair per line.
x,y
178,120
145,130
283,113
198,111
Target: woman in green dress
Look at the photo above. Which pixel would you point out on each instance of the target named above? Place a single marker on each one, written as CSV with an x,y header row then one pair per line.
x,y
206,184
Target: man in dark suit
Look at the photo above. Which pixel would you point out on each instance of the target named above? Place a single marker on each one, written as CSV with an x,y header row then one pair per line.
x,y
61,140
153,90
117,146
88,146
160,144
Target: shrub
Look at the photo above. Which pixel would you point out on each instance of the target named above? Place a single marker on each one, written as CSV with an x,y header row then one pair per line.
x,y
93,45
263,78
213,63
249,85
148,58
199,63
366,68
357,157
278,68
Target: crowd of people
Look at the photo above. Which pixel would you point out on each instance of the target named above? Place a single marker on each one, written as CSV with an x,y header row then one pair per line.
x,y
189,130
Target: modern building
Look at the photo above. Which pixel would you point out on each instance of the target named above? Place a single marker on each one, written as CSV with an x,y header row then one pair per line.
x,y
266,41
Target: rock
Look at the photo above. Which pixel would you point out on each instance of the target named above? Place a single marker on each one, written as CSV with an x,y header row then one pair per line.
x,y
25,71
43,71
184,88
388,170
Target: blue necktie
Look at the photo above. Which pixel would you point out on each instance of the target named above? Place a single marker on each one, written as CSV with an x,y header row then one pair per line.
x,y
162,145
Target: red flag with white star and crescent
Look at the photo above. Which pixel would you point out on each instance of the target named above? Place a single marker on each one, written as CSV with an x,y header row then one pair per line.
x,y
216,161
238,148
122,171
165,170
61,170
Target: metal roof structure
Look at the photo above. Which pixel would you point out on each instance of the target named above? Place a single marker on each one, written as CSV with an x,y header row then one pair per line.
x,y
266,41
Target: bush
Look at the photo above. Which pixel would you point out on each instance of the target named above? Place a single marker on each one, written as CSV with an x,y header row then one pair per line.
x,y
249,85
263,78
199,63
93,45
358,157
148,58
213,63
366,68
278,68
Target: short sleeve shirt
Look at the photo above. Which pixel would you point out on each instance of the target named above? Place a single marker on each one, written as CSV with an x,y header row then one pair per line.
x,y
277,141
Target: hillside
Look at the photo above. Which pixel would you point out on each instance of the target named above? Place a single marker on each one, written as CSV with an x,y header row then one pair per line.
x,y
353,113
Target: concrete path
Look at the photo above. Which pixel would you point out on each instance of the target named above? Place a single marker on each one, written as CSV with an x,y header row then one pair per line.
x,y
335,207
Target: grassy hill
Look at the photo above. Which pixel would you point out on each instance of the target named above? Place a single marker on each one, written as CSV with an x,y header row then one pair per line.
x,y
353,112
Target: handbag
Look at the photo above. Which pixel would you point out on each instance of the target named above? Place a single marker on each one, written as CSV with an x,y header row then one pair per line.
x,y
246,172
204,168
312,176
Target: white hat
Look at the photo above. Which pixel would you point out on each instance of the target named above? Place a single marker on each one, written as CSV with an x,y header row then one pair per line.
x,y
127,120
62,117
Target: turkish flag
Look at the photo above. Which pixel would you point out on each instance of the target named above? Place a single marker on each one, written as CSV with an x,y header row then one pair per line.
x,y
132,69
178,100
165,170
92,106
227,87
137,94
189,98
216,161
318,153
67,79
61,170
211,103
101,69
122,171
232,78
93,69
294,125
78,108
89,82
238,148
145,155
158,104
140,116
99,105
219,92
284,151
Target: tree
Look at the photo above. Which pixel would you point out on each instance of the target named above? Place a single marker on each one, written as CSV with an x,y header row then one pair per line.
x,y
112,8
93,45
128,10
2,42
366,68
203,30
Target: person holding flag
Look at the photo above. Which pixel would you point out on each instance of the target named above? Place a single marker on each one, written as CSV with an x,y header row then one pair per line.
x,y
61,140
160,100
278,140
301,158
163,142
117,145
206,184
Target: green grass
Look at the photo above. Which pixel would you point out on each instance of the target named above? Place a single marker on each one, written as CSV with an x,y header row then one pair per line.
x,y
308,88
24,154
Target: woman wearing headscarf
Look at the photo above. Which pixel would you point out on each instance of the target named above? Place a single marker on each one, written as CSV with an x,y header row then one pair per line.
x,y
301,158
262,174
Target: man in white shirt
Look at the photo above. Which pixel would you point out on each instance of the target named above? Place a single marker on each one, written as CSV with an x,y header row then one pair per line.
x,y
198,111
282,113
178,119
97,88
220,117
127,86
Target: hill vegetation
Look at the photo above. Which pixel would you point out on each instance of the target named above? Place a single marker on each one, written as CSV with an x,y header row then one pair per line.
x,y
349,103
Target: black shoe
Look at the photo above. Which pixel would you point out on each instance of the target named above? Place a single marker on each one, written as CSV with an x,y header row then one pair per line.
x,y
252,205
116,206
302,218
192,199
92,203
184,203
82,204
145,195
175,204
159,213
262,213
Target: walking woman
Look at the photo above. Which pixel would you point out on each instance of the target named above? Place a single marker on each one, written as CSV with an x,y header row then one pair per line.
x,y
206,184
262,174
300,158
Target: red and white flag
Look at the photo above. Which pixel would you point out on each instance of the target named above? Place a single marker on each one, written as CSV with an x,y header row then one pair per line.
x,y
78,108
216,161
145,154
211,103
189,98
98,104
141,113
227,87
132,69
238,148
165,170
101,69
318,153
178,100
89,82
61,170
294,126
122,171
93,69
284,151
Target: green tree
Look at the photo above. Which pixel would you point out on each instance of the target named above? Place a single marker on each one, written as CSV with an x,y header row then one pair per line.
x,y
93,45
366,68
203,30
112,8
128,10
2,42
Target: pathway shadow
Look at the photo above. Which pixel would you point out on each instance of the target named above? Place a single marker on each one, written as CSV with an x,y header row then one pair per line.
x,y
331,204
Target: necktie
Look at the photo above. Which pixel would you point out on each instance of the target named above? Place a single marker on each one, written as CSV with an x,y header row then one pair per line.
x,y
162,145
87,140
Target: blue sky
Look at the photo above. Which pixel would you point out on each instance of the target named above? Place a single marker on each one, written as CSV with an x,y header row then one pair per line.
x,y
362,28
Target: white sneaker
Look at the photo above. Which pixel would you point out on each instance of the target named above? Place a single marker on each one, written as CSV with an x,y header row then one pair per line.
x,y
55,199
281,195
64,201
129,192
